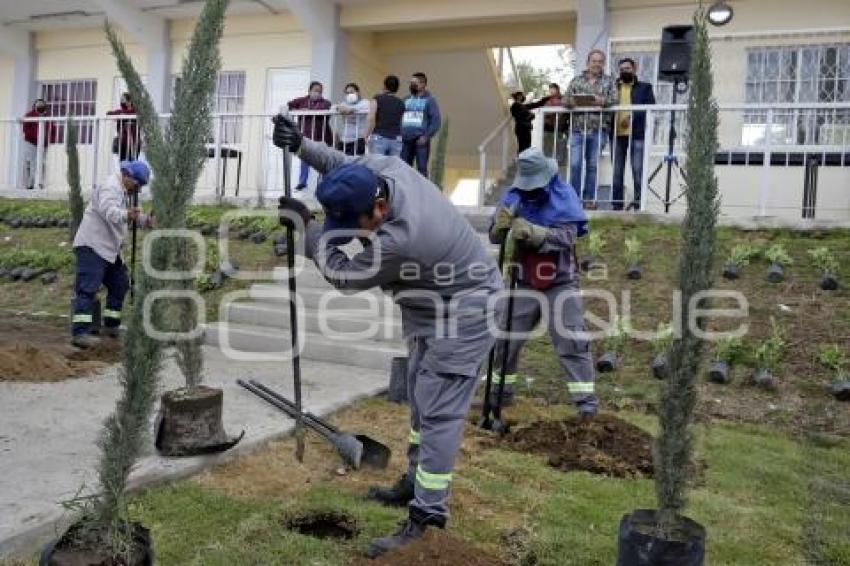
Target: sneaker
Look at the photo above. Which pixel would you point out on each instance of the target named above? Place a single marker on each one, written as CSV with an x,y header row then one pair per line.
x,y
399,495
410,530
85,341
300,187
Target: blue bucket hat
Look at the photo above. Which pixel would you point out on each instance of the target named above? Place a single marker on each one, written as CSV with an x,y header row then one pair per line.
x,y
345,193
138,170
534,170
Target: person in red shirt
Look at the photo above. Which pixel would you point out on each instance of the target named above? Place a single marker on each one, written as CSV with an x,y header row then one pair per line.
x,y
33,145
127,143
316,128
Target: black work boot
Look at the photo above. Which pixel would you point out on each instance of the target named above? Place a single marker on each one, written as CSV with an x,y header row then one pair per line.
x,y
399,495
410,530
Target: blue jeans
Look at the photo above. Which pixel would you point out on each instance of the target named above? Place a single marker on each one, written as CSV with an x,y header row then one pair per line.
x,y
379,145
411,149
92,272
621,150
585,147
304,174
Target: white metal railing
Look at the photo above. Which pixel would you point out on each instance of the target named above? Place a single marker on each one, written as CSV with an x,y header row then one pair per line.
x,y
761,146
241,160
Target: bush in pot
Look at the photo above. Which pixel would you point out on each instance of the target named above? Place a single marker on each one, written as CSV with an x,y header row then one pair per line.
x,y
740,256
633,255
595,243
832,358
729,351
660,347
664,536
613,346
778,257
824,260
767,357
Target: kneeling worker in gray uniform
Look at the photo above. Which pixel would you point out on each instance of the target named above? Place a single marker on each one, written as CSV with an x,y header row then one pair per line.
x,y
424,253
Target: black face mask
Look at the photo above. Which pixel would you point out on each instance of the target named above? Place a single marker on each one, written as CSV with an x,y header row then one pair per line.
x,y
535,196
41,109
414,89
627,77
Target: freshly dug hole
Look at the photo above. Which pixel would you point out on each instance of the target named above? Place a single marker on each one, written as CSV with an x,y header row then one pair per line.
x,y
324,525
607,445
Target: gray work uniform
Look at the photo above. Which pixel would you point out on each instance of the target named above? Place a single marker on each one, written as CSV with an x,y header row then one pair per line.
x,y
562,305
437,270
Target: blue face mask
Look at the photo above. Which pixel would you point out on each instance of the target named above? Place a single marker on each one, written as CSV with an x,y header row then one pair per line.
x,y
536,196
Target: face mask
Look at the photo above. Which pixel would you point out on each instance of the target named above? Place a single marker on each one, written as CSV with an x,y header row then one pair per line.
x,y
414,89
351,97
315,95
626,77
41,109
535,196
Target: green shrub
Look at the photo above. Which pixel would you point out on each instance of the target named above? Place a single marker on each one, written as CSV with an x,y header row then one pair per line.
x,y
778,254
663,339
731,350
36,259
595,243
824,260
742,254
633,250
832,358
617,337
768,354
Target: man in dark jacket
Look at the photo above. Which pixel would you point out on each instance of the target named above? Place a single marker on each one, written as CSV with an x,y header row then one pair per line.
x,y
420,123
523,119
629,132
127,144
312,127
34,145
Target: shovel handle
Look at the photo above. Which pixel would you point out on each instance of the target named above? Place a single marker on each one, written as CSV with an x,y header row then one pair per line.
x,y
317,422
491,357
286,408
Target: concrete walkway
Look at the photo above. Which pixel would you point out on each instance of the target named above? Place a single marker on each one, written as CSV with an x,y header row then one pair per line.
x,y
48,433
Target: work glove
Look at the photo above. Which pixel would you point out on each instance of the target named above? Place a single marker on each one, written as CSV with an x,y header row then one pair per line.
x,y
286,133
501,223
529,234
288,206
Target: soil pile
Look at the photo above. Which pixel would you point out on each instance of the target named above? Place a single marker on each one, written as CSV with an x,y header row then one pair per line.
x,y
25,362
436,549
607,445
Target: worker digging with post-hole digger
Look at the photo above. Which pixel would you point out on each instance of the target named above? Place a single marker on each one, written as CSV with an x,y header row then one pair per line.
x,y
97,247
544,217
421,250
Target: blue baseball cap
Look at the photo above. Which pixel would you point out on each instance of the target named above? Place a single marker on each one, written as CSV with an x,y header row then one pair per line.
x,y
345,193
138,170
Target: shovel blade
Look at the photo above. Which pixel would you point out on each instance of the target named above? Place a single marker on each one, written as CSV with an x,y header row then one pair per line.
x,y
375,454
349,448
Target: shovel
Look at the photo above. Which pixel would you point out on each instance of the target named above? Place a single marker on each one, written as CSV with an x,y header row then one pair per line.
x,y
355,450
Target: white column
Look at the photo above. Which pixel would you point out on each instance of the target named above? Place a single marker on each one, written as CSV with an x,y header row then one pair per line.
x,y
320,19
591,29
20,46
152,32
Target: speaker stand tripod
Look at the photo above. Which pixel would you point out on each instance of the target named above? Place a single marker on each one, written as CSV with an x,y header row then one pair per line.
x,y
670,160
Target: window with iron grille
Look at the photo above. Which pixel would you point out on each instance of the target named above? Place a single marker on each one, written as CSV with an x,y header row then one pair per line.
x,y
71,98
229,98
798,74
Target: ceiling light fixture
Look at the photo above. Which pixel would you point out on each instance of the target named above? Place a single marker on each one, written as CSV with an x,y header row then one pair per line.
x,y
720,13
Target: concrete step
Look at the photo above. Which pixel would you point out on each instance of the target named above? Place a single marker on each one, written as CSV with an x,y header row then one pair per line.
x,y
329,322
267,344
372,302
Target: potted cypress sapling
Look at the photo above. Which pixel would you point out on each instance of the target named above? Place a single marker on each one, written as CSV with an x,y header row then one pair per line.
x,y
825,261
595,243
768,357
778,257
832,358
189,420
633,255
614,346
665,536
75,192
729,351
739,257
660,346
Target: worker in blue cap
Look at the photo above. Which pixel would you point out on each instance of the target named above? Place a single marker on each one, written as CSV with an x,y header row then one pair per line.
x,y
97,247
544,217
423,252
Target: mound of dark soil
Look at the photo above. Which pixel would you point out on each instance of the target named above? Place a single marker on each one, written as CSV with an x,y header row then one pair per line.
x,y
607,445
436,549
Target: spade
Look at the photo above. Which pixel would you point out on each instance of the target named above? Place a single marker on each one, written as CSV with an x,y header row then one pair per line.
x,y
354,449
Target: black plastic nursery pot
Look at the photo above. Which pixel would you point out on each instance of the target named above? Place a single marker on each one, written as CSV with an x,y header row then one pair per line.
x,y
660,366
730,271
16,273
607,362
49,278
828,282
14,223
189,422
841,390
5,273
397,392
29,274
638,543
62,551
720,372
634,272
775,274
764,378
208,230
586,262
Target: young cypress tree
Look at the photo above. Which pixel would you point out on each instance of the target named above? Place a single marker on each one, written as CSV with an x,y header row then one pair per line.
x,y
75,191
438,169
674,447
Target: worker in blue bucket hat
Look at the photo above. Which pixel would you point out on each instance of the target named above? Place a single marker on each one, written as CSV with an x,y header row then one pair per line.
x,y
97,248
423,252
544,217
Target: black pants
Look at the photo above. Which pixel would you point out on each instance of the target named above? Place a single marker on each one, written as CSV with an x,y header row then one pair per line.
x,y
352,148
411,150
523,138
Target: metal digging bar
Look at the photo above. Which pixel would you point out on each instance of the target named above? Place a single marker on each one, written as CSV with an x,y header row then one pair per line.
x,y
499,425
486,422
134,203
375,454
